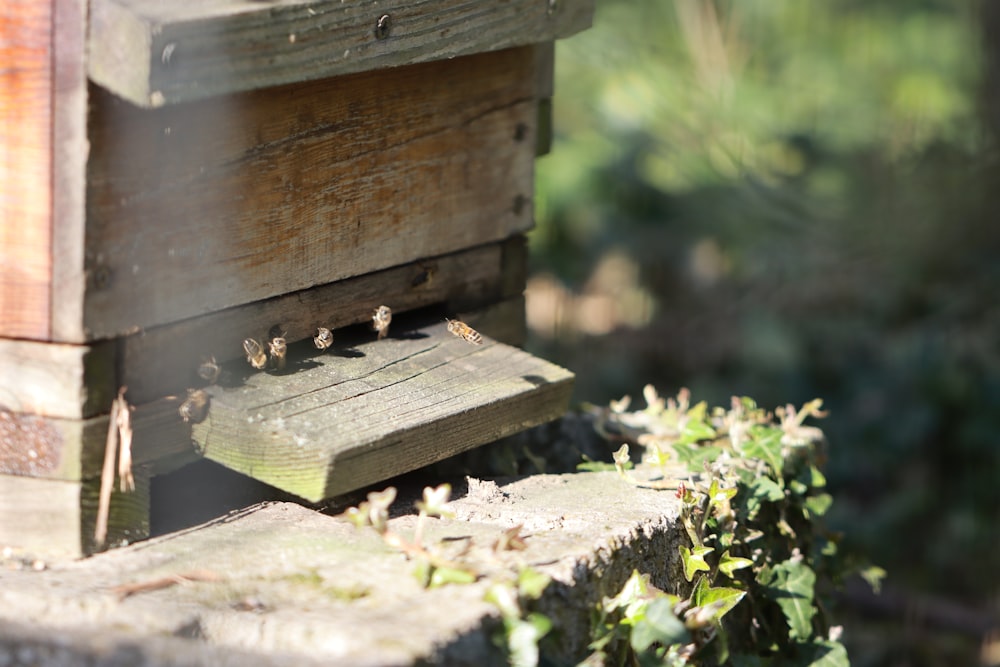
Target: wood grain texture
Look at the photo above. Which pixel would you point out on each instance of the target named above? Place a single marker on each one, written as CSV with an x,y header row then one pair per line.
x,y
25,168
70,147
49,517
164,359
198,207
340,424
57,380
73,449
154,53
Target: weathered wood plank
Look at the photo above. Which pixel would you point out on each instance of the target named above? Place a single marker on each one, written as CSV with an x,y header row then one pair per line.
x,y
198,207
73,449
164,359
70,149
25,168
56,518
57,380
335,424
154,53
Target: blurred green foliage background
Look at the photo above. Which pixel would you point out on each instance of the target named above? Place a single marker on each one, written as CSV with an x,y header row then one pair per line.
x,y
791,200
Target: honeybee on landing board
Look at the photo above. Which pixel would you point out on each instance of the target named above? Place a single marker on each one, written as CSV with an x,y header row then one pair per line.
x,y
278,347
209,370
194,407
255,353
323,338
465,332
381,317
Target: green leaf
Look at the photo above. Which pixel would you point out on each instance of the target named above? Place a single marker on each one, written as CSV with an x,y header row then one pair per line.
x,y
818,479
696,430
659,625
531,583
791,585
822,653
728,564
719,599
523,637
765,488
765,444
694,561
633,597
874,575
441,576
818,505
694,456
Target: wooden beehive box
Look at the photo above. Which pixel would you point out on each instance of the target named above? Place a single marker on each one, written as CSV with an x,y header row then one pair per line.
x,y
178,176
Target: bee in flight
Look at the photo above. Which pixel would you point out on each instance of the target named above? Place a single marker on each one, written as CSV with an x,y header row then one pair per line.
x,y
255,353
465,332
381,317
278,347
194,407
209,370
323,338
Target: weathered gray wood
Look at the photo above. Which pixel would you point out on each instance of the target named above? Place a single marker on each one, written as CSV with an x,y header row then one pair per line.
x,y
70,147
164,359
52,517
335,424
73,449
154,53
203,206
56,380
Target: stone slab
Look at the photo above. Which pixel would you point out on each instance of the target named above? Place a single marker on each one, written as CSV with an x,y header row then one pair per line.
x,y
282,583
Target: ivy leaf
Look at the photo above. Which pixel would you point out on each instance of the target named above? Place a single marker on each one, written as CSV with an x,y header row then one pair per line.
x,y
765,444
823,653
659,625
818,480
717,600
523,636
531,583
695,457
694,561
441,576
791,584
818,505
696,430
728,564
765,488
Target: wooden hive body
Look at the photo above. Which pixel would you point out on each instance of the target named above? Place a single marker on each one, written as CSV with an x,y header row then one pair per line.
x,y
180,176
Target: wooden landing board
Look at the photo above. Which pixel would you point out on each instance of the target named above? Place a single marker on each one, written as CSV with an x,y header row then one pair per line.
x,y
154,53
331,424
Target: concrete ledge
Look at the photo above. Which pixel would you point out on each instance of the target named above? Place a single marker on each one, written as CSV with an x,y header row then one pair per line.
x,y
279,583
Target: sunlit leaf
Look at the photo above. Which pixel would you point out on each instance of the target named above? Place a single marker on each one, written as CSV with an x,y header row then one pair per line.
x,y
729,564
818,505
791,585
661,625
523,636
694,560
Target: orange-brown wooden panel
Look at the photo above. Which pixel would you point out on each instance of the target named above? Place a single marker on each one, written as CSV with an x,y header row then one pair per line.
x,y
211,204
25,167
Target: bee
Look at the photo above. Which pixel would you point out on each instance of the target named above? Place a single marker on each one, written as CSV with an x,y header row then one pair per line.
x,y
209,371
193,409
278,347
255,353
465,332
323,338
381,317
